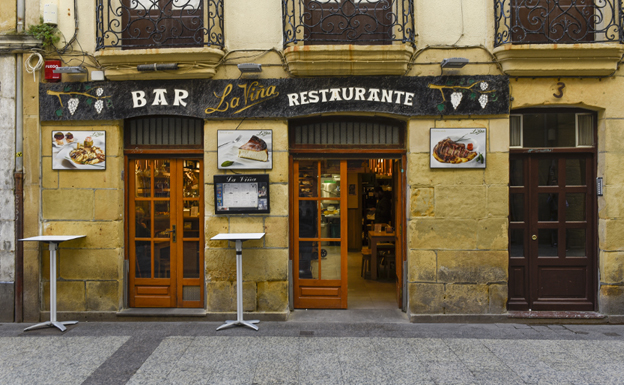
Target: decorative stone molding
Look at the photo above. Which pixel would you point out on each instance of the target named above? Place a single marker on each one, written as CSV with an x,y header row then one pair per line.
x,y
348,60
593,59
11,44
193,63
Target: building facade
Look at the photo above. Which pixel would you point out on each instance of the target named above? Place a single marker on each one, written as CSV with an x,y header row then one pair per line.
x,y
495,140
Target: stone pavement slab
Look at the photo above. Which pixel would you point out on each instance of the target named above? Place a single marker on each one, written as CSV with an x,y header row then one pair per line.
x,y
312,353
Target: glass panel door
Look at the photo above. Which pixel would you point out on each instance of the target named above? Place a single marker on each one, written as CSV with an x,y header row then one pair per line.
x,y
552,222
165,233
320,234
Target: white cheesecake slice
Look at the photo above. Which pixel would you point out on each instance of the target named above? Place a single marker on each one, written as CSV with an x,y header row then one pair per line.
x,y
255,149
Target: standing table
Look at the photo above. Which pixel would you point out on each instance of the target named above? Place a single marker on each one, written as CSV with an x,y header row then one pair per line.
x,y
375,238
239,238
54,241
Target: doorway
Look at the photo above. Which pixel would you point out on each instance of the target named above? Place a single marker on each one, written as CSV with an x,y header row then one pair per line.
x,y
552,210
166,233
336,165
552,232
348,255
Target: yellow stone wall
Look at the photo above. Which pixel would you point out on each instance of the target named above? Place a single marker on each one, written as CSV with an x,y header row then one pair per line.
x,y
457,225
265,262
91,203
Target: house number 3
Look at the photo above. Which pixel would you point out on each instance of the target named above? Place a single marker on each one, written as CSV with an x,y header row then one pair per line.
x,y
559,94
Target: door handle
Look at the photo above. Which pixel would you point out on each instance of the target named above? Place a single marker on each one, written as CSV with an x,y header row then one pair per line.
x,y
172,231
534,237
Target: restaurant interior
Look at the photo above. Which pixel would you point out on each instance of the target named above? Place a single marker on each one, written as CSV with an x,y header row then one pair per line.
x,y
369,287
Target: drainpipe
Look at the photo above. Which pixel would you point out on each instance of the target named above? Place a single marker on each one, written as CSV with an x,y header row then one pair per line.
x,y
19,173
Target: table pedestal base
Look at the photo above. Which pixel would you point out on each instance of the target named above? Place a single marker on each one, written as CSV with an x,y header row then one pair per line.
x,y
57,324
231,323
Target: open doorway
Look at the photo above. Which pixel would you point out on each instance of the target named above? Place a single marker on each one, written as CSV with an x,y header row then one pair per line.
x,y
347,233
372,259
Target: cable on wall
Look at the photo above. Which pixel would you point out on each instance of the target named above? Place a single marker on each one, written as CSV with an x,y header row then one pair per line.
x,y
33,69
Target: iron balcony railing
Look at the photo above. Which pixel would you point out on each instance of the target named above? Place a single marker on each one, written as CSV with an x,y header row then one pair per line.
x,y
132,24
335,22
557,21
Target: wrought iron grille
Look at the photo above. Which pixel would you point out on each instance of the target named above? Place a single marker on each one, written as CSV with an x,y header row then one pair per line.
x,y
364,22
557,21
159,23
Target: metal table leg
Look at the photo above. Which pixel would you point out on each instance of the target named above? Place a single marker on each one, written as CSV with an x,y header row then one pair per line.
x,y
239,294
52,322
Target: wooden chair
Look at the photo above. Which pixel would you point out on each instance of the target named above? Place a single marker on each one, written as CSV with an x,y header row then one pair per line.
x,y
366,262
388,262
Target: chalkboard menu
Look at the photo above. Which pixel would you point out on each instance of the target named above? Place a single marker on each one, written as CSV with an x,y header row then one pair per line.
x,y
242,194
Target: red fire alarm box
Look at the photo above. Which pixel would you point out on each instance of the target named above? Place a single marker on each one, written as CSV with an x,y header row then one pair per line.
x,y
50,66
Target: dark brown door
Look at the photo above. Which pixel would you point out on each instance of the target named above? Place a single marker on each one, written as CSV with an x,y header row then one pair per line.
x,y
162,23
166,236
552,242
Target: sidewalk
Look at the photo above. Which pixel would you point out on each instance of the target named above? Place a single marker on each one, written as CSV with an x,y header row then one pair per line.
x,y
309,351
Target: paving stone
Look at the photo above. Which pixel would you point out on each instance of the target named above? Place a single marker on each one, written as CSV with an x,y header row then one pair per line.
x,y
193,353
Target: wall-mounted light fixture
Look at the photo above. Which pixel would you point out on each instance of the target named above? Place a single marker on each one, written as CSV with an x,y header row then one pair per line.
x,y
454,63
250,70
70,70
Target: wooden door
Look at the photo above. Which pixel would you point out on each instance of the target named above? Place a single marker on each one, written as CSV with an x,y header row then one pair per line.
x,y
166,232
552,241
320,233
399,219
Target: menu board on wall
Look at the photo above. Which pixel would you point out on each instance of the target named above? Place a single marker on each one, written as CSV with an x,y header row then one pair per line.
x,y
242,194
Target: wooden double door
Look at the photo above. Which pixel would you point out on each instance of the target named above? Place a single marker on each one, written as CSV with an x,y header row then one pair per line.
x,y
165,231
552,231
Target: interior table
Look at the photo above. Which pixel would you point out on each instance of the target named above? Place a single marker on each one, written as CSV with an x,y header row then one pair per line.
x,y
377,237
239,238
53,241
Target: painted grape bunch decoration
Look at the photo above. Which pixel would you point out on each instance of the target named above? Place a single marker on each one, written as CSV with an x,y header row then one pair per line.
x,y
85,94
72,104
483,100
474,90
456,98
99,105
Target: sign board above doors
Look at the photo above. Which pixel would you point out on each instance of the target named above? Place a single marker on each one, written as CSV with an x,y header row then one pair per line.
x,y
276,98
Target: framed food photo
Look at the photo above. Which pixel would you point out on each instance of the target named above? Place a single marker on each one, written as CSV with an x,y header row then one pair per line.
x,y
78,150
458,147
245,149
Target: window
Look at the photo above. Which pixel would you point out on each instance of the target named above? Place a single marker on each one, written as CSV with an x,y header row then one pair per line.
x,y
552,129
348,21
363,22
162,23
556,21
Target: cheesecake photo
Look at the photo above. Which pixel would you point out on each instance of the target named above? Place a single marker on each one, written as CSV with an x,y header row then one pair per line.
x,y
255,149
244,149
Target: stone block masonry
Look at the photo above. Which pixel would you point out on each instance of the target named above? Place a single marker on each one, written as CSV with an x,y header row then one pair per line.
x,y
457,227
90,270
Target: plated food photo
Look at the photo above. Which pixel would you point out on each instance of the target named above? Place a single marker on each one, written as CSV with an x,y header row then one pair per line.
x,y
244,149
82,150
452,148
